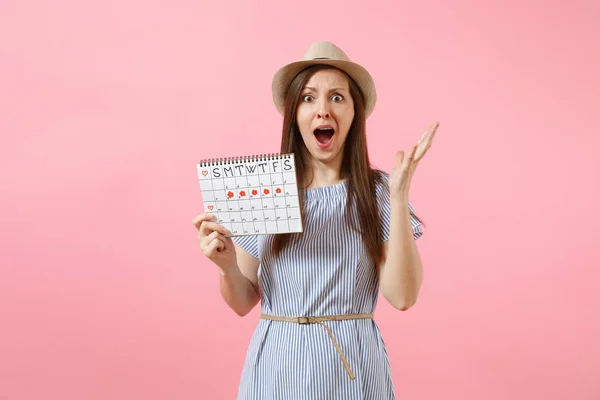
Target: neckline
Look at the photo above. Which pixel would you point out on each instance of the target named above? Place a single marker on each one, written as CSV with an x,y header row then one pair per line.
x,y
337,189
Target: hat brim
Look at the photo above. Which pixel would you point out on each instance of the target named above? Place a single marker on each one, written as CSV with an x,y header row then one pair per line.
x,y
284,76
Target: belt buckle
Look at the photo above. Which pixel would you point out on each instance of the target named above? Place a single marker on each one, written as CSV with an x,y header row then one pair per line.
x,y
303,320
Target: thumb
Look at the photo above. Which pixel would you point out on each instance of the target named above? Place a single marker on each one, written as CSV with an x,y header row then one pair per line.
x,y
399,158
229,243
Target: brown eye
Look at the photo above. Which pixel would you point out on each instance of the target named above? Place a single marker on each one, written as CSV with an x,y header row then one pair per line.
x,y
307,98
337,98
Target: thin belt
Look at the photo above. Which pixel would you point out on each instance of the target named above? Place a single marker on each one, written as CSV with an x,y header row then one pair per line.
x,y
320,320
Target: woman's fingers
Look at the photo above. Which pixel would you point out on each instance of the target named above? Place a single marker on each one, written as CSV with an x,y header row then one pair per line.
x,y
215,246
197,221
207,227
212,236
408,159
426,140
213,242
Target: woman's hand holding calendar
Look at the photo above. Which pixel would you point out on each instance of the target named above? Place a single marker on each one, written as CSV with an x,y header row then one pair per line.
x,y
213,242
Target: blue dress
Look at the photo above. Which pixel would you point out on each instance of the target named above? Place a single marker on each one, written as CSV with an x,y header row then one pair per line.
x,y
326,272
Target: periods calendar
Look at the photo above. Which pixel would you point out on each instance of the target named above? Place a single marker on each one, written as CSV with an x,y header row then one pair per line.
x,y
252,195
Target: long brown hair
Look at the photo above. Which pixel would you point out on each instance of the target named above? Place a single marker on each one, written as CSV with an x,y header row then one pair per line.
x,y
356,168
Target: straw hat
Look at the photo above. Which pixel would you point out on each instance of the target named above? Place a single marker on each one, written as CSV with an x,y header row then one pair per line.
x,y
329,54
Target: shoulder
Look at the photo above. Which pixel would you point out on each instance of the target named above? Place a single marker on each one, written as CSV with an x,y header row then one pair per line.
x,y
381,181
380,176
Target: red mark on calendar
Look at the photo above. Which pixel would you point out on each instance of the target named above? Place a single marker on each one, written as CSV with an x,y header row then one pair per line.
x,y
242,193
254,192
211,207
266,191
205,172
230,194
278,190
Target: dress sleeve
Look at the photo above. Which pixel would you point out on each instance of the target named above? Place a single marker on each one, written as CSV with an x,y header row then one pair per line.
x,y
248,243
383,202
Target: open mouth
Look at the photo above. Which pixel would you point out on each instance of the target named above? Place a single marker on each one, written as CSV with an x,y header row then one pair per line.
x,y
323,135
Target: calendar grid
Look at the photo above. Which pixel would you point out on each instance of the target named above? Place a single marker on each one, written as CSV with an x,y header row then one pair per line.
x,y
272,185
225,210
262,207
252,195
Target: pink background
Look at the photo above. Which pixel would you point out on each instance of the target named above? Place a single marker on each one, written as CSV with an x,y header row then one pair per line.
x,y
106,106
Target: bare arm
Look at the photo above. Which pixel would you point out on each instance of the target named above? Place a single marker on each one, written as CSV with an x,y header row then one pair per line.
x,y
400,271
239,284
239,269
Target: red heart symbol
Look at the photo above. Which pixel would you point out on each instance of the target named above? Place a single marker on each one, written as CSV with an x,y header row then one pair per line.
x,y
211,207
205,172
254,192
278,190
266,191
242,193
230,194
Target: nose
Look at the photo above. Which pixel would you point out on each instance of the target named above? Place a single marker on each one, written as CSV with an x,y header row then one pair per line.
x,y
323,109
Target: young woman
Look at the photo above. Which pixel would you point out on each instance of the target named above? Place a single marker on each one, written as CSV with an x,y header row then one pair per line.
x,y
316,338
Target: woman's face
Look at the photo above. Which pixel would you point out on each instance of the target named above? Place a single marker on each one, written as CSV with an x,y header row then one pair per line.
x,y
325,114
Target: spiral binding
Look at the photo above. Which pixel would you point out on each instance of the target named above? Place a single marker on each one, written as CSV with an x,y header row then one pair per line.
x,y
243,159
